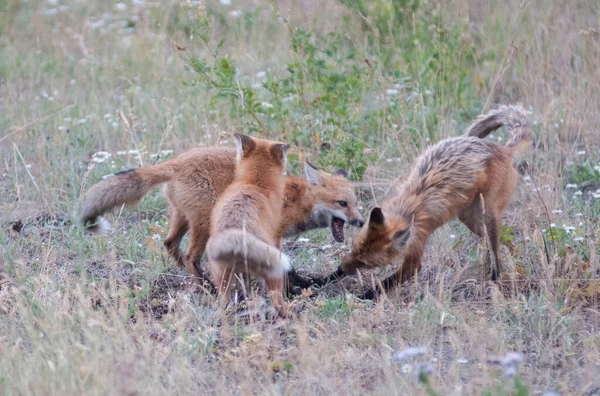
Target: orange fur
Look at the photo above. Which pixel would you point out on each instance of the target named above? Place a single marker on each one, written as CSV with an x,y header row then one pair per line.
x,y
194,182
246,219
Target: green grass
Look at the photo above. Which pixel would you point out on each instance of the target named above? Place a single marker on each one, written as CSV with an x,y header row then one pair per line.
x,y
360,85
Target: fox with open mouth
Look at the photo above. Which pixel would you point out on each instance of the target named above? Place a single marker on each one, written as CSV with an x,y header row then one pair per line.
x,y
195,180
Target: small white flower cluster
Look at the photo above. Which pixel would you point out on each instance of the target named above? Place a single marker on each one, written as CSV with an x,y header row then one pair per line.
x,y
101,156
410,353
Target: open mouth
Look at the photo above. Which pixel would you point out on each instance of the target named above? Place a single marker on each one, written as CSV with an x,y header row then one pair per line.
x,y
337,229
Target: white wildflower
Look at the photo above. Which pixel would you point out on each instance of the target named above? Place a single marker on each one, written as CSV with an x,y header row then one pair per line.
x,y
134,152
62,128
288,98
325,247
581,152
121,152
114,124
557,211
235,13
266,105
166,152
552,225
225,2
578,193
303,240
394,126
390,92
120,7
452,236
261,74
535,122
578,239
409,353
28,166
81,121
556,125
570,185
462,361
406,368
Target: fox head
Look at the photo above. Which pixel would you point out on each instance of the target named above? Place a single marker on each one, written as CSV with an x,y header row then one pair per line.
x,y
335,200
259,155
381,242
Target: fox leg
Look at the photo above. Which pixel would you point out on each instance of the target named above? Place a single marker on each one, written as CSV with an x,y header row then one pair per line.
x,y
192,261
409,268
275,289
474,218
178,227
222,275
492,224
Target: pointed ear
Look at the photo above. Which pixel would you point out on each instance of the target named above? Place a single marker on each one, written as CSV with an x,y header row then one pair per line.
x,y
244,144
280,150
376,217
312,173
341,172
400,238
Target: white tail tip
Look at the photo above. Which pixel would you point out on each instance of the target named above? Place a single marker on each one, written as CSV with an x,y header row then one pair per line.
x,y
286,262
102,227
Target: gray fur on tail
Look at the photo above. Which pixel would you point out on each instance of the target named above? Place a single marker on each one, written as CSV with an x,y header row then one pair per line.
x,y
239,248
511,116
126,187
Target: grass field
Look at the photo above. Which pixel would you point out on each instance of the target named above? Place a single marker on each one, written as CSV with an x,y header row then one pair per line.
x,y
88,88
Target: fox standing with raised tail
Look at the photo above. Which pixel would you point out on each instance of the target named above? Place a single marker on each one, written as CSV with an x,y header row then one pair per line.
x,y
246,219
464,177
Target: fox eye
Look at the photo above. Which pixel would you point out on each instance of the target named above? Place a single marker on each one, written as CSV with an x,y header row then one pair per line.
x,y
343,204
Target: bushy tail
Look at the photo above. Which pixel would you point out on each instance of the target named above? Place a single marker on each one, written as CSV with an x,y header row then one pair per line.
x,y
240,248
126,187
511,116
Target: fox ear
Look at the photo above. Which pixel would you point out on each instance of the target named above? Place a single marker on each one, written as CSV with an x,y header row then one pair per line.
x,y
312,173
341,172
376,217
279,150
244,144
400,238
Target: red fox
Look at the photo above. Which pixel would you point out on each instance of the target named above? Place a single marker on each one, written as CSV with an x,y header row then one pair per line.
x,y
246,220
464,177
194,181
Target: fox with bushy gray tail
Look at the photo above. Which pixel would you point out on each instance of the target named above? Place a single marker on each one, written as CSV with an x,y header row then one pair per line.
x,y
465,177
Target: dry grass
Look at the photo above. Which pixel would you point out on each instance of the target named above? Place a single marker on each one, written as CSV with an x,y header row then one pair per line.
x,y
110,315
